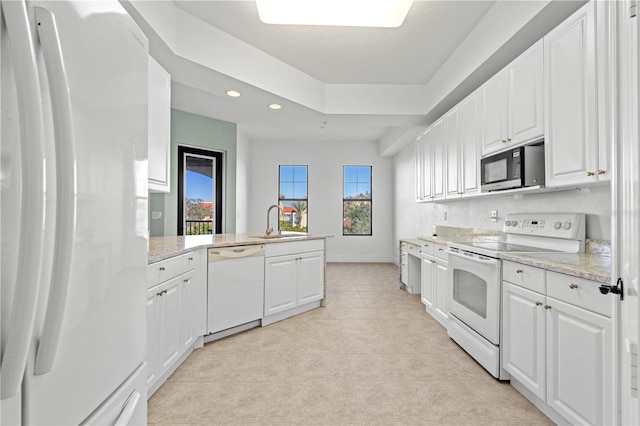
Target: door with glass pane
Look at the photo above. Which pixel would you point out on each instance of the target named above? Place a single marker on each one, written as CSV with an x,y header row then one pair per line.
x,y
199,191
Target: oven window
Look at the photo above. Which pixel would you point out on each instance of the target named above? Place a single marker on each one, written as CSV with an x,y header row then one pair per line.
x,y
495,171
470,291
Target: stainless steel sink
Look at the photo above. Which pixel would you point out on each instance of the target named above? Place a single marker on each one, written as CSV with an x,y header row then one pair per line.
x,y
276,236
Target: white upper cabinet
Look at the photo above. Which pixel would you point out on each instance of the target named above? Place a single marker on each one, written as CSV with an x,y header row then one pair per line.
x,y
512,103
525,96
452,123
470,145
159,132
494,113
571,114
437,143
463,148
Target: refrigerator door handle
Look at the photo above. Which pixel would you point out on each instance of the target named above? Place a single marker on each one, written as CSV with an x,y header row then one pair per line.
x,y
129,409
65,228
23,310
25,301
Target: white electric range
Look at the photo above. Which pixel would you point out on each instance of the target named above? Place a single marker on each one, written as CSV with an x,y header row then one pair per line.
x,y
475,278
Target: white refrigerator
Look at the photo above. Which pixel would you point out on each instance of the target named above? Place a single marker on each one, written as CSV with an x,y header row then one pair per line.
x,y
73,208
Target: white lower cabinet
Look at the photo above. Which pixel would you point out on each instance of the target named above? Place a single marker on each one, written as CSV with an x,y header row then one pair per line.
x,y
173,317
434,281
558,342
293,277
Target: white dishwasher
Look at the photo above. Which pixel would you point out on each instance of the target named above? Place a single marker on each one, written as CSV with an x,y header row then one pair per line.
x,y
235,280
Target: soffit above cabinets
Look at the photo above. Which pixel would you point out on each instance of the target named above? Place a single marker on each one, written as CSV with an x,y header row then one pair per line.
x,y
337,84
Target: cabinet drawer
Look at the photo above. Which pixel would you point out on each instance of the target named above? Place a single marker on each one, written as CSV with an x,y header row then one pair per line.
x,y
524,276
579,292
166,269
291,247
440,252
413,250
426,248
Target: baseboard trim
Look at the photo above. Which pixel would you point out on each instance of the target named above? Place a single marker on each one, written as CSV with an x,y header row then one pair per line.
x,y
360,259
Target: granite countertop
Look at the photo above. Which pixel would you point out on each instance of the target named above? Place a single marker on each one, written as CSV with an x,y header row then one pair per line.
x,y
595,267
161,248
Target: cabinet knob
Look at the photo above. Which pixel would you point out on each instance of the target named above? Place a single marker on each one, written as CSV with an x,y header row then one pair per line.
x,y
440,249
538,303
191,258
508,140
590,173
601,172
161,268
504,141
572,286
186,280
519,271
547,307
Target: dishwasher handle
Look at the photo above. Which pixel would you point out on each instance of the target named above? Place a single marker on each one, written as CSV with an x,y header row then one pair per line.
x,y
238,252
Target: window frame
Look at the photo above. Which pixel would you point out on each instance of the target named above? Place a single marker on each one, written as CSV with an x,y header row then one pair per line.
x,y
306,200
368,200
220,157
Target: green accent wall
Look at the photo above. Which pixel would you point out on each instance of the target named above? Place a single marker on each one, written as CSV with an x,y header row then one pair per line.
x,y
200,132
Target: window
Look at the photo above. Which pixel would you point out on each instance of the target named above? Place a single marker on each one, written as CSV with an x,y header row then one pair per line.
x,y
356,202
292,199
199,191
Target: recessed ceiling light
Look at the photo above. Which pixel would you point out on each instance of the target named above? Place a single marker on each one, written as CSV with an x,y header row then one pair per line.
x,y
348,13
275,106
233,93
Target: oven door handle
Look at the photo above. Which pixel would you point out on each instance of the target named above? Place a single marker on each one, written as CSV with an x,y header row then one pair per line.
x,y
484,260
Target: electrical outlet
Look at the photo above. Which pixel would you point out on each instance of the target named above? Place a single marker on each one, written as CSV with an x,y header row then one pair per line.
x,y
444,216
156,215
494,213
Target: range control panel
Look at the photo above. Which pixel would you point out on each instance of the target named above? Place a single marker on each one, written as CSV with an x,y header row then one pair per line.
x,y
556,225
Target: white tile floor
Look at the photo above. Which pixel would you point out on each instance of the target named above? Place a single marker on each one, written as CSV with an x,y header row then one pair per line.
x,y
371,356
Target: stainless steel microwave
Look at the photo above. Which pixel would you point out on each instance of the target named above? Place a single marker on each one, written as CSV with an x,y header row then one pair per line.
x,y
516,168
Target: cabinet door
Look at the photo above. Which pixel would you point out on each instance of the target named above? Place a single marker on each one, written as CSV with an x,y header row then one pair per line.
x,y
153,336
310,277
524,337
439,157
427,164
441,287
159,134
525,96
280,284
170,307
470,146
426,283
570,100
580,364
189,300
419,168
452,148
494,113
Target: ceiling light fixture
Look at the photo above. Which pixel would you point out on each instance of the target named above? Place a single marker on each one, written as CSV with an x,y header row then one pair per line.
x,y
348,13
233,93
275,106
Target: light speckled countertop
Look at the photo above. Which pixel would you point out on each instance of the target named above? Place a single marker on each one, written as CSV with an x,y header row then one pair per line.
x,y
161,248
594,265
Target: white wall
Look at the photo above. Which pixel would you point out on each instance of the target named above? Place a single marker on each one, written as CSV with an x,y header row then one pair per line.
x,y
416,219
325,161
242,170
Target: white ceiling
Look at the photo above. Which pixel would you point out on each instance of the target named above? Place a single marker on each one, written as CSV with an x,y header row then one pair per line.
x,y
409,54
337,83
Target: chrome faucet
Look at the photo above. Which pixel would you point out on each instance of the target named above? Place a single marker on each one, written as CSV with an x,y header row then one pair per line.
x,y
269,227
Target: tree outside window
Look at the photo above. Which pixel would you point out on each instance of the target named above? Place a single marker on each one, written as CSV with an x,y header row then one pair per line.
x,y
292,199
356,202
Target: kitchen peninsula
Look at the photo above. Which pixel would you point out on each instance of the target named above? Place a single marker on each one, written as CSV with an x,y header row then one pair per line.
x,y
202,288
